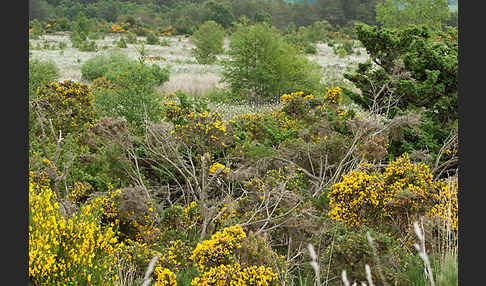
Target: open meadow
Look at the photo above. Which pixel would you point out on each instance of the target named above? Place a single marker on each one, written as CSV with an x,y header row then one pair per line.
x,y
186,74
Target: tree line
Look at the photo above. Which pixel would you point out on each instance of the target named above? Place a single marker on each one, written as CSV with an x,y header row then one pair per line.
x,y
186,15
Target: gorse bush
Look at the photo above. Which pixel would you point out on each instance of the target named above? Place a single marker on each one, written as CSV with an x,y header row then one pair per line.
x,y
68,104
217,250
74,249
208,40
262,66
216,264
402,192
234,274
165,277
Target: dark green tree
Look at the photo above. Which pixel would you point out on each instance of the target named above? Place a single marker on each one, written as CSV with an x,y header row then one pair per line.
x,y
219,13
411,68
108,10
331,10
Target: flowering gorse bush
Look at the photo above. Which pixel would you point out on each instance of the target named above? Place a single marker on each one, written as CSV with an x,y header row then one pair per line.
x,y
120,28
218,249
333,95
165,277
176,256
73,250
401,192
446,207
236,275
216,265
68,104
296,104
204,130
218,168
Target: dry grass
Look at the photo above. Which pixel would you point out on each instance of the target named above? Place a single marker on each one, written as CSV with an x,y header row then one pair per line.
x,y
229,111
193,84
186,74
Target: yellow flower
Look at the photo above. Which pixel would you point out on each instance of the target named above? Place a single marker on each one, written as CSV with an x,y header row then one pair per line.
x,y
218,167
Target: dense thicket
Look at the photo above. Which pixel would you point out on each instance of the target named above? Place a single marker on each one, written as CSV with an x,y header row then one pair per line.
x,y
187,15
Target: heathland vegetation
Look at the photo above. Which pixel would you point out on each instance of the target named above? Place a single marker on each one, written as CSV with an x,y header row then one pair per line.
x,y
242,143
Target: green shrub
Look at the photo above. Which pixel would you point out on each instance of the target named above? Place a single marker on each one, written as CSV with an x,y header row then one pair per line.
x,y
87,46
208,40
41,73
351,250
418,65
131,38
164,42
115,66
301,43
37,29
62,45
99,65
416,69
152,39
132,94
122,44
262,66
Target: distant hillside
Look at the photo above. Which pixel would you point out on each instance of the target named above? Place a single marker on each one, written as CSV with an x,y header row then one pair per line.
x,y
453,4
295,1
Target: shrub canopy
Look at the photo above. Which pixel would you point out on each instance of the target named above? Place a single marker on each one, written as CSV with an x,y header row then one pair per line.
x,y
263,66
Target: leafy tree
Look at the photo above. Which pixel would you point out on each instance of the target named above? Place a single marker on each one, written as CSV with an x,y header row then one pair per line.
x,y
262,65
398,13
208,40
219,13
